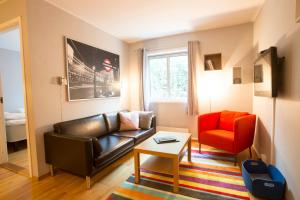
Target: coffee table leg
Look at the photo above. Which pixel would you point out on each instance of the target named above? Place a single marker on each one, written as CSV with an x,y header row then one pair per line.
x,y
136,167
176,174
190,150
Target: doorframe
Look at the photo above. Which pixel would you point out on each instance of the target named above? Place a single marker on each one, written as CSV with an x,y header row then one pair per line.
x,y
3,139
17,22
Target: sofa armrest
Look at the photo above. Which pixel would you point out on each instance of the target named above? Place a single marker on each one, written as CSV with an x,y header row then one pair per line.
x,y
153,123
71,153
244,128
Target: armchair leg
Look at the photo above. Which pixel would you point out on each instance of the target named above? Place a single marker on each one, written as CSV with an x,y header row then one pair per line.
x,y
51,170
199,147
88,182
250,152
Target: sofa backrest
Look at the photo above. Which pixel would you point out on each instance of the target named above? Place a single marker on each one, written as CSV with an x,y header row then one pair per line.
x,y
93,126
112,121
227,119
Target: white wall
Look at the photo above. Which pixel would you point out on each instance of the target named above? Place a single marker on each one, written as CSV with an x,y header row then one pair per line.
x,y
47,27
279,119
11,76
235,44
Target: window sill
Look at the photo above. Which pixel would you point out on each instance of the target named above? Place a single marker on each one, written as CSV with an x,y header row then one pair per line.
x,y
168,101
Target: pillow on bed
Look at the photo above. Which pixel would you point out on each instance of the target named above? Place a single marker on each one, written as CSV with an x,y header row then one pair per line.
x,y
14,116
15,122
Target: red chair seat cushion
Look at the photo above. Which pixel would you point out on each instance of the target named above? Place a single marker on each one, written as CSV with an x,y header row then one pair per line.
x,y
227,119
218,138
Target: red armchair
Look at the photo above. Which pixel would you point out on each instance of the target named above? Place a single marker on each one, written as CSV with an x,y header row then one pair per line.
x,y
227,130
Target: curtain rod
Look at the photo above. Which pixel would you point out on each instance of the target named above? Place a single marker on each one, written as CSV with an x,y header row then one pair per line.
x,y
161,49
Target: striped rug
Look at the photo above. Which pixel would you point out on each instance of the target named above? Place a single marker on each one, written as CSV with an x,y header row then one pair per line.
x,y
211,175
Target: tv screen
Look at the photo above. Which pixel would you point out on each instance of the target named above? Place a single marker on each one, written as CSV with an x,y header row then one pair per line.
x,y
266,73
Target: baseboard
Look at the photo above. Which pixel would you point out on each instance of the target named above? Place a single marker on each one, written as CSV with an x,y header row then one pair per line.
x,y
39,178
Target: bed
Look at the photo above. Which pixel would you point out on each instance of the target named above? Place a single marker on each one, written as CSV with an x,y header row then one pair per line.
x,y
15,126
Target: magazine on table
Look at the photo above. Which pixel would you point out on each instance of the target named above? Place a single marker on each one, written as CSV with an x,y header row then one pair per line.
x,y
165,139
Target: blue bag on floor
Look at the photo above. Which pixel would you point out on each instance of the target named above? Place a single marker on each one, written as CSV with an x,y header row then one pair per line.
x,y
263,181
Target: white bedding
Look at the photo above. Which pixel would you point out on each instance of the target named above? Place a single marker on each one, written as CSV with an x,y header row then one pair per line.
x,y
15,126
14,116
15,122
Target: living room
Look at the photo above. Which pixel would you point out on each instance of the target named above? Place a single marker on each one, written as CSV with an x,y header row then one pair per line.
x,y
233,32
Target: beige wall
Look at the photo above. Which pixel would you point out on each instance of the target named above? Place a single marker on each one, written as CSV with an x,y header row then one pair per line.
x,y
11,9
279,119
47,27
11,80
235,44
44,39
275,25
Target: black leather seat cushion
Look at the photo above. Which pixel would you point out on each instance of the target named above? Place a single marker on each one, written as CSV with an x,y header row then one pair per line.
x,y
93,126
112,146
138,135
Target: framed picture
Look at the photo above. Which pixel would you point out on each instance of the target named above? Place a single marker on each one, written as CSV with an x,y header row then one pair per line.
x,y
213,61
258,74
91,72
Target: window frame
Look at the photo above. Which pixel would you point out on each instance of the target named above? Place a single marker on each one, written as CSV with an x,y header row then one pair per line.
x,y
167,56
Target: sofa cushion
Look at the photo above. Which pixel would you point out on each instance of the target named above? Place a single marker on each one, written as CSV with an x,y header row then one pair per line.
x,y
93,126
227,119
112,121
218,138
111,146
145,119
129,121
137,135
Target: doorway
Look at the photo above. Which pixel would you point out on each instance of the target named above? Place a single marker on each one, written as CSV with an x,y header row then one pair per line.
x,y
14,132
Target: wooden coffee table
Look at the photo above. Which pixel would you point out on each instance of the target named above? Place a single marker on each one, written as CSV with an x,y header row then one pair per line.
x,y
165,157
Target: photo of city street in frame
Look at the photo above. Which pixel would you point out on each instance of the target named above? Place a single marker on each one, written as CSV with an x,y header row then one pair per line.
x,y
92,72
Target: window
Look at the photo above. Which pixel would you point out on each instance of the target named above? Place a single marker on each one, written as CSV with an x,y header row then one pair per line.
x,y
168,76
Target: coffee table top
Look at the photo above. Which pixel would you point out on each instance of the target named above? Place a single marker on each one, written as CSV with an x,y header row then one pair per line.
x,y
149,146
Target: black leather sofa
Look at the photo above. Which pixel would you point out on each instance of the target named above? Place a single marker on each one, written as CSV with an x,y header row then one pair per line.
x,y
87,145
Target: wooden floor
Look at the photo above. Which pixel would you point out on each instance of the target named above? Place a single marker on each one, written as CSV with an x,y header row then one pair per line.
x,y
17,161
19,158
67,186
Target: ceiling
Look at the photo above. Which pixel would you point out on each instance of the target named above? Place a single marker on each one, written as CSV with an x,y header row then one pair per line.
x,y
10,40
134,20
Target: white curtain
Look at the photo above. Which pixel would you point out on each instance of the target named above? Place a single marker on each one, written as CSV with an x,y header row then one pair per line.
x,y
194,62
144,90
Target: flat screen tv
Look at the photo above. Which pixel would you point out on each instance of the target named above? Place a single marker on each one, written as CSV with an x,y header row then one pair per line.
x,y
266,73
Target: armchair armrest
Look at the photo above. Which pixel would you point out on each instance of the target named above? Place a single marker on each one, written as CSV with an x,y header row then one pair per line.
x,y
244,128
71,153
208,121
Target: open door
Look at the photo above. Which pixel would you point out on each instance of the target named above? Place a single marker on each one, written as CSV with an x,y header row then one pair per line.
x,y
19,161
3,146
